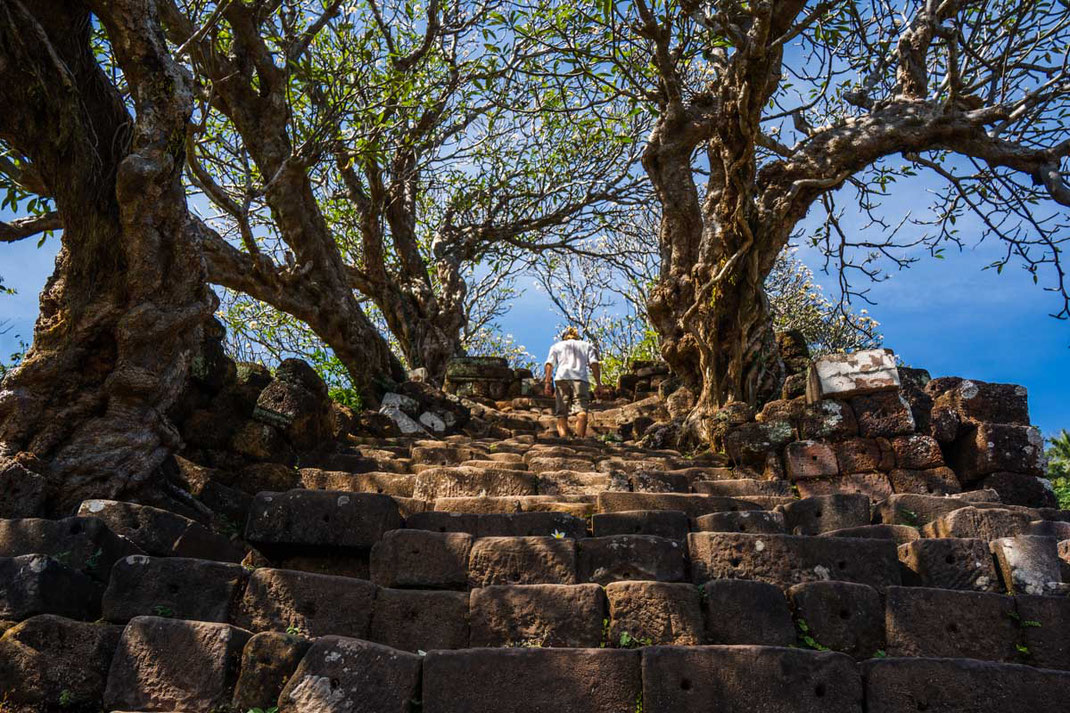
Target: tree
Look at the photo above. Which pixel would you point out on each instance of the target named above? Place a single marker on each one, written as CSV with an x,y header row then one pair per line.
x,y
1058,454
121,316
769,108
406,150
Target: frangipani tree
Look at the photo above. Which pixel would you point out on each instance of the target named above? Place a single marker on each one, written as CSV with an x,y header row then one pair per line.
x,y
770,109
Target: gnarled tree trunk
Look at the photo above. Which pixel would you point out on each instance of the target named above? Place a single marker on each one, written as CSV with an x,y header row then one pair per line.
x,y
123,311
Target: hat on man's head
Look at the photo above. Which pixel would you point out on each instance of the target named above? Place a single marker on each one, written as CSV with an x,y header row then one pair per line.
x,y
570,333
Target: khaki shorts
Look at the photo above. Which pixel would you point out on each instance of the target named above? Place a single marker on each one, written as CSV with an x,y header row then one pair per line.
x,y
571,396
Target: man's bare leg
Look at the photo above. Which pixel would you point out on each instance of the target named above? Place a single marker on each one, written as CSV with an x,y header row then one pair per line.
x,y
562,426
581,424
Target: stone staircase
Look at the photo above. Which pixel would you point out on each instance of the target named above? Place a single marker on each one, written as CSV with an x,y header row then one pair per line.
x,y
524,573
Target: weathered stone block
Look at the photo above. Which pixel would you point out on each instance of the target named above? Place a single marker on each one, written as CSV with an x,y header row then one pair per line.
x,y
814,515
954,624
844,375
1029,565
422,559
828,421
38,584
899,534
631,557
742,488
949,563
987,448
809,459
934,481
917,452
672,524
512,524
843,616
864,455
463,481
740,611
522,560
532,680
84,543
961,686
984,523
397,484
178,587
885,414
267,662
691,505
48,659
542,615
785,560
160,532
169,665
314,604
753,521
915,509
1044,624
743,679
416,620
875,486
22,492
321,518
1020,489
749,443
654,613
340,675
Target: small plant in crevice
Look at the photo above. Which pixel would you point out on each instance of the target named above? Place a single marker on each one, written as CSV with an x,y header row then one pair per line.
x,y
164,611
627,641
807,637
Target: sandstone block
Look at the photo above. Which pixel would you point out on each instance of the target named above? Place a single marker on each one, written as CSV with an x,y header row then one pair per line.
x,y
949,563
462,481
953,624
416,620
899,534
753,521
532,680
885,414
672,524
84,543
785,560
822,513
654,613
984,523
512,524
844,375
321,518
875,486
843,616
809,459
896,685
313,604
169,665
522,560
267,662
47,659
1044,624
631,557
915,509
828,421
162,533
691,505
178,587
340,675
422,559
740,611
1021,489
917,452
1030,565
22,492
543,615
864,455
987,448
934,481
37,584
742,488
742,679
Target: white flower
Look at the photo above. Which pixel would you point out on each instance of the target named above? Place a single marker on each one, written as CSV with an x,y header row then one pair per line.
x,y
558,535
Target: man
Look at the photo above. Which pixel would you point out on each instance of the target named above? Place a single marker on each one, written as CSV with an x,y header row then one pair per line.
x,y
570,365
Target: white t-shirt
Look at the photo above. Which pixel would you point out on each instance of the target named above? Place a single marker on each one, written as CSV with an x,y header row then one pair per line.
x,y
571,359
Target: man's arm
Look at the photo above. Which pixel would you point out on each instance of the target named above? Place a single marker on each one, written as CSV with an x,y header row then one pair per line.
x,y
596,372
549,379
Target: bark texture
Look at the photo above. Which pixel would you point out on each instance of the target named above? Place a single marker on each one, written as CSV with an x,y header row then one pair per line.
x,y
122,313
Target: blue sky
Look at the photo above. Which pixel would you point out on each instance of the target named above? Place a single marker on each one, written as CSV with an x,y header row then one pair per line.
x,y
948,316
